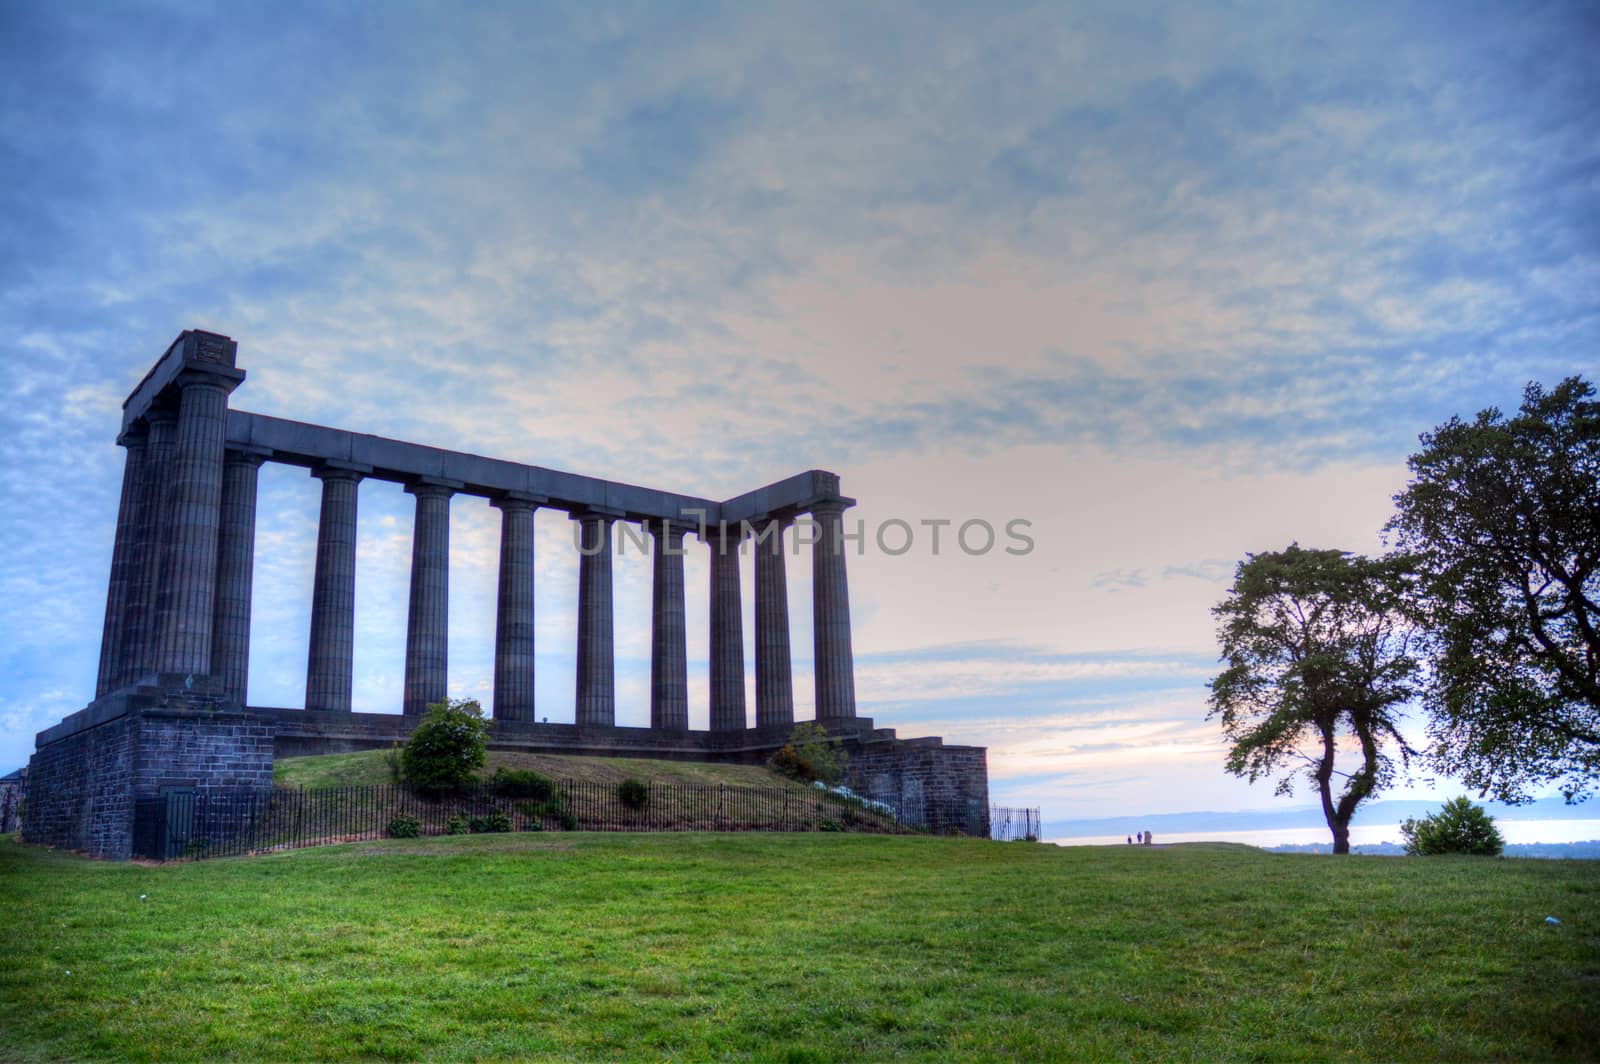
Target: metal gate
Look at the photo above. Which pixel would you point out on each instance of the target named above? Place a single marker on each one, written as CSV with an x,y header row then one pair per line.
x,y
164,826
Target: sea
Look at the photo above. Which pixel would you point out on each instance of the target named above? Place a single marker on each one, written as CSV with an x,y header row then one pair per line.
x,y
1513,831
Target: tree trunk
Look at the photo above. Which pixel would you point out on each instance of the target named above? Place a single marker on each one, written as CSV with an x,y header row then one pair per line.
x,y
1341,838
1338,819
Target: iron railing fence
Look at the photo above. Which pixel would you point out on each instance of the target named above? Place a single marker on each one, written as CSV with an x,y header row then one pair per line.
x,y
215,823
1010,825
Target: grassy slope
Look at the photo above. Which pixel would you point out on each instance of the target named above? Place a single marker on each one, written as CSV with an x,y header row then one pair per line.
x,y
368,767
800,947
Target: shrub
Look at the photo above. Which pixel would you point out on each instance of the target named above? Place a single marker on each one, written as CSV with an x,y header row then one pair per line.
x,y
522,783
1460,827
810,755
634,794
456,825
391,761
830,825
446,749
495,820
788,763
569,820
404,827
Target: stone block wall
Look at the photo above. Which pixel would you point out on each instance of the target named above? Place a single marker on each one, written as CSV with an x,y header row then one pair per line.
x,y
80,791
82,786
945,787
211,752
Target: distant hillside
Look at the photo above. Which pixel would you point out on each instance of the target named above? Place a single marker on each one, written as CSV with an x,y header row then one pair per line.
x,y
370,767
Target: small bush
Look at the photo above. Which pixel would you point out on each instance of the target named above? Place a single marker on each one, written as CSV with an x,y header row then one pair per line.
x,y
447,748
404,827
830,825
494,821
810,755
522,783
569,820
456,825
1460,827
786,762
634,794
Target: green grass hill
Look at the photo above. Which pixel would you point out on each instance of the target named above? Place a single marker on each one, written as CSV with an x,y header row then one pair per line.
x,y
370,766
796,947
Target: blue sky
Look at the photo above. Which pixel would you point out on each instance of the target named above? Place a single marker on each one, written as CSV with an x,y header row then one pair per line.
x,y
1171,282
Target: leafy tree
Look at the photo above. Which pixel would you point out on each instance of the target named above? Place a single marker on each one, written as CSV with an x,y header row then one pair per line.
x,y
447,747
1503,516
1460,827
1317,648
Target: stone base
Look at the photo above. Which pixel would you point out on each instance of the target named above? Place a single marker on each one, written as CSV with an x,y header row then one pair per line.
x,y
171,732
87,772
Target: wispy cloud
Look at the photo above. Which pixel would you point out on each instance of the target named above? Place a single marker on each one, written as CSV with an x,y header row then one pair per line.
x,y
1173,283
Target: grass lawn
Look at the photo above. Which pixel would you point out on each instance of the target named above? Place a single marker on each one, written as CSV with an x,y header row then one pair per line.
x,y
796,947
369,767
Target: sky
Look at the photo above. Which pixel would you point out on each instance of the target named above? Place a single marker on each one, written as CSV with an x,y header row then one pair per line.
x,y
1171,283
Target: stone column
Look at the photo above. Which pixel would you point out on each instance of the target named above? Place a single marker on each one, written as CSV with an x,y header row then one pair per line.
x,y
513,622
727,632
113,632
428,621
774,681
330,657
150,537
830,613
236,556
187,598
669,653
597,692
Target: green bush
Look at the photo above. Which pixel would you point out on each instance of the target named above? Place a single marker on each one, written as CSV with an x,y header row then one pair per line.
x,y
495,820
1460,827
522,783
404,827
456,825
447,748
786,762
830,825
634,794
810,755
569,820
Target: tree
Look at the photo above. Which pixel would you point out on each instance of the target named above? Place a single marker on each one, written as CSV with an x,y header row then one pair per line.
x,y
1318,648
1503,516
1460,827
447,748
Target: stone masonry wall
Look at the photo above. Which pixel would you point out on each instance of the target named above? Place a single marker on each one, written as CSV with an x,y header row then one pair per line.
x,y
80,792
949,784
81,788
211,752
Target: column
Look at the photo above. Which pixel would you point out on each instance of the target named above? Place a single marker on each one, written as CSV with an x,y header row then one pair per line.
x,y
112,633
150,537
597,694
236,555
428,621
187,597
774,682
830,613
727,632
513,621
669,654
330,657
